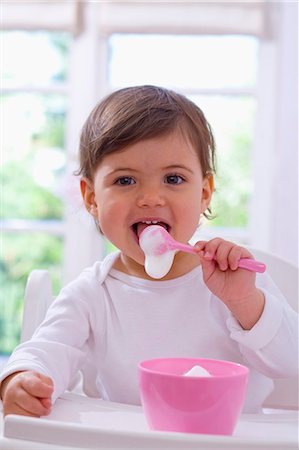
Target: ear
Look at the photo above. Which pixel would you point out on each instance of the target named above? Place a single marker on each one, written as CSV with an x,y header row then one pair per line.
x,y
88,195
207,192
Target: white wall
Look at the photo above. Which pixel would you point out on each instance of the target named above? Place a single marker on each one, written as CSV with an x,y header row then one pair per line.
x,y
274,209
284,214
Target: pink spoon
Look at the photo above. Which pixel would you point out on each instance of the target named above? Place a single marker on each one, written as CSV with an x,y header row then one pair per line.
x,y
160,247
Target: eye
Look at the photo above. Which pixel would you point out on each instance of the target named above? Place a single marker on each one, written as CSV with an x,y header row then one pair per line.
x,y
174,179
125,181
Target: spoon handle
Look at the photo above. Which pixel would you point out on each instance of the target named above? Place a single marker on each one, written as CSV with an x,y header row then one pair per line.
x,y
183,247
252,265
244,263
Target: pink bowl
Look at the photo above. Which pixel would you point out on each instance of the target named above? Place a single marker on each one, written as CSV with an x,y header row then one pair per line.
x,y
208,405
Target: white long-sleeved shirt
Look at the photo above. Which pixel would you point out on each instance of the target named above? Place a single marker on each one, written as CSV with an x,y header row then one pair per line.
x,y
105,322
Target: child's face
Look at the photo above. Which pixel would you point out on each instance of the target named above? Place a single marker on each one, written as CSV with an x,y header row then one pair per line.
x,y
158,179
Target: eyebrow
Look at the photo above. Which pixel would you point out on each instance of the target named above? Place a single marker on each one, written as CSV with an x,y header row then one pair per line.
x,y
170,167
121,169
178,167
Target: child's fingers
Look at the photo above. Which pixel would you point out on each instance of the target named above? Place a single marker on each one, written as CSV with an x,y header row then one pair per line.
x,y
44,378
36,393
217,249
221,255
31,404
211,246
27,393
235,254
16,409
26,404
208,264
205,249
234,257
200,245
46,402
36,384
226,254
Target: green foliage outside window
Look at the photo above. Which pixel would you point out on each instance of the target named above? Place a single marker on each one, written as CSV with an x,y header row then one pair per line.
x,y
233,187
21,253
32,169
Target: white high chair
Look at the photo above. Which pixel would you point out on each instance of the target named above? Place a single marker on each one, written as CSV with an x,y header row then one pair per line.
x,y
38,296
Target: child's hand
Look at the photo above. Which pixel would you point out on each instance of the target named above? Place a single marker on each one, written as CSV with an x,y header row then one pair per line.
x,y
234,286
27,393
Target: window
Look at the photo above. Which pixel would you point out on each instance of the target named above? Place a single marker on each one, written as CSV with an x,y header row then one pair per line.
x,y
241,71
34,105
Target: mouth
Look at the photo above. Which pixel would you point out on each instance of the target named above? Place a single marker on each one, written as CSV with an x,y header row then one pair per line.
x,y
138,227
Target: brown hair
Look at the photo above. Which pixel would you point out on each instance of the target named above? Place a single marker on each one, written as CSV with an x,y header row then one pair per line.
x,y
141,112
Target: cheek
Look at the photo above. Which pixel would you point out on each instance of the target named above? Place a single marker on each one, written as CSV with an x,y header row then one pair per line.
x,y
189,213
110,215
192,206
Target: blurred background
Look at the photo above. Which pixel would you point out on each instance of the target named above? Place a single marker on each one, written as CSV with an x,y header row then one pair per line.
x,y
237,60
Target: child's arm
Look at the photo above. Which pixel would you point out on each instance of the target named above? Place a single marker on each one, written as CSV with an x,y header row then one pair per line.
x,y
27,393
234,286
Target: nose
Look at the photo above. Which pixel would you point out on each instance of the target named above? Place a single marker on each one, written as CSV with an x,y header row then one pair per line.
x,y
150,197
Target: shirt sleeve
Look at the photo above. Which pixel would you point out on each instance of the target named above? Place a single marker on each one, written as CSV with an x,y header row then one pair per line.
x,y
60,345
271,346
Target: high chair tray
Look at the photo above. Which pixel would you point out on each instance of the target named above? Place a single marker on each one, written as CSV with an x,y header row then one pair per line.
x,y
81,422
